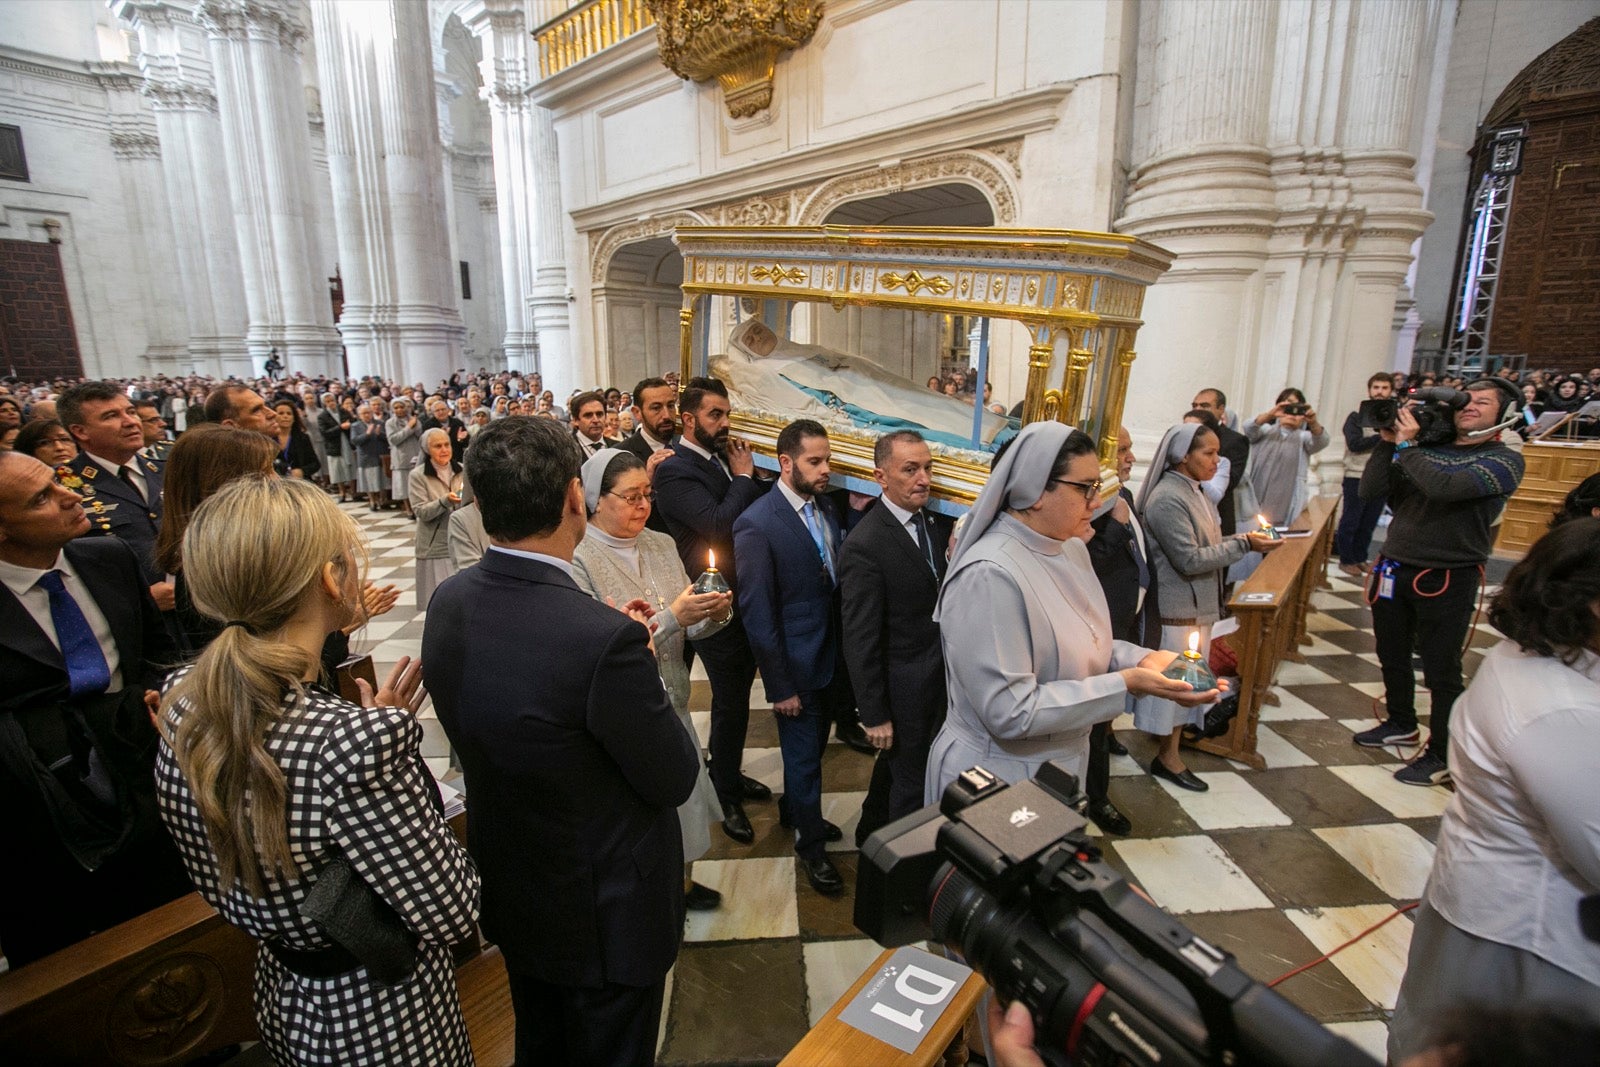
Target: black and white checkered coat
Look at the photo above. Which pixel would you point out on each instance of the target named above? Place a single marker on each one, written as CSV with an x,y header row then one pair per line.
x,y
355,781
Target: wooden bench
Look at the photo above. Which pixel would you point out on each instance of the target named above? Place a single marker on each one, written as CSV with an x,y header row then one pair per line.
x,y
1271,607
176,983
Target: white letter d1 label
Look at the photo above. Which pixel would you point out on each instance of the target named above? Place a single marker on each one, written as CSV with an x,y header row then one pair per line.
x,y
920,987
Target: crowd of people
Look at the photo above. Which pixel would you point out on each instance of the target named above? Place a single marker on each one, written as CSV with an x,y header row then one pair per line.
x,y
180,550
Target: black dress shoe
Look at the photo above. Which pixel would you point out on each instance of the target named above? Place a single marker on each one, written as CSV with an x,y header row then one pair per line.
x,y
1115,747
830,832
701,898
823,876
1105,815
1184,779
736,824
752,789
855,737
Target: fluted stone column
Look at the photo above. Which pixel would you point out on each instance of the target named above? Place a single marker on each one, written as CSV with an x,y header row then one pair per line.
x,y
178,84
528,189
255,55
400,315
1200,187
154,265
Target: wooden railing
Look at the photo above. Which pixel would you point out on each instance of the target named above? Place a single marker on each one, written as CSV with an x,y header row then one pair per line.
x,y
586,29
1271,607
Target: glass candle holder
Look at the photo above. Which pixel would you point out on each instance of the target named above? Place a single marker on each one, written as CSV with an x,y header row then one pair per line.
x,y
1267,530
1192,667
712,581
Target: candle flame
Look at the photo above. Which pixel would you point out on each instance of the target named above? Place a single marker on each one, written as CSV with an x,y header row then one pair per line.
x,y
713,557
1262,521
1194,642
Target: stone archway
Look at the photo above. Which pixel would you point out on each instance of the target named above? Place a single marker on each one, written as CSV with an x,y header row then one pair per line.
x,y
988,172
636,309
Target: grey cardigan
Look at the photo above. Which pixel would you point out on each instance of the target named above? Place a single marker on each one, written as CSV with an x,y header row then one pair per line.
x,y
405,443
1187,549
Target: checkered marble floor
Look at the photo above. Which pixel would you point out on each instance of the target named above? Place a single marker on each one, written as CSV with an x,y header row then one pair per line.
x,y
1277,866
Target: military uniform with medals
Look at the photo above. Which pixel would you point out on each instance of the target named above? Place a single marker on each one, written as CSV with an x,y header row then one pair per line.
x,y
116,509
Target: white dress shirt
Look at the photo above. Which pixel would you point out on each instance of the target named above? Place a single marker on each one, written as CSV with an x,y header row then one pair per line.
x,y
1519,844
564,565
694,446
24,584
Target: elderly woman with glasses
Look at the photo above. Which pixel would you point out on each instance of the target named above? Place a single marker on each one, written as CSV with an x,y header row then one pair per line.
x,y
1190,557
435,491
1030,659
638,571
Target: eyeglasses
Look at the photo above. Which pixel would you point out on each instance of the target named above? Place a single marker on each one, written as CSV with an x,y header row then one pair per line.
x,y
633,500
1091,490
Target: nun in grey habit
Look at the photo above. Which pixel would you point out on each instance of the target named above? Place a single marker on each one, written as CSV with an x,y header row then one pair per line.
x,y
1029,657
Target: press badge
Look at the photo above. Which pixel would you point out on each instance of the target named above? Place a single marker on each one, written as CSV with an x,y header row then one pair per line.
x,y
1386,580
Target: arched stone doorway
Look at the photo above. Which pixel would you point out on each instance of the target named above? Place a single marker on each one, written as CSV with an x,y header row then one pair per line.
x,y
636,311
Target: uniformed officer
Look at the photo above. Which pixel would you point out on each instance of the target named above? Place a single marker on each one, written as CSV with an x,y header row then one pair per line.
x,y
121,490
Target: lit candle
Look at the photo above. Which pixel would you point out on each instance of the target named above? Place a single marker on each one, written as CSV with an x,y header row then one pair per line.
x,y
1194,644
1267,529
711,560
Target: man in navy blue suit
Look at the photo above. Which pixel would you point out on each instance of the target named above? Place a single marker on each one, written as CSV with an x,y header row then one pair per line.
x,y
787,544
700,490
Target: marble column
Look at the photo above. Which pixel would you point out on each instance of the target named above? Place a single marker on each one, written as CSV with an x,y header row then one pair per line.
x,y
178,84
528,189
255,56
154,265
400,315
1201,187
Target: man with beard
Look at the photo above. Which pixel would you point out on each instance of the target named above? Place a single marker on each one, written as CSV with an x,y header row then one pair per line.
x,y
655,410
700,490
788,548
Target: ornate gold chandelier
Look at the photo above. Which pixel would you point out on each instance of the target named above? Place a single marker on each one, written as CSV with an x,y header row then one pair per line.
x,y
734,41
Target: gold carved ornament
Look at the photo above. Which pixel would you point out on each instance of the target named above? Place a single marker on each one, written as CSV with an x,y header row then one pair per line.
x,y
734,41
777,275
914,283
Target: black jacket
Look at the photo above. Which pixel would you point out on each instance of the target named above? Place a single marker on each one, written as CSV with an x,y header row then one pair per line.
x,y
575,764
53,899
699,503
891,643
1235,447
1111,554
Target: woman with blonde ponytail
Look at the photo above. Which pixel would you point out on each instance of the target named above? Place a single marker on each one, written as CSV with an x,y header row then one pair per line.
x,y
267,781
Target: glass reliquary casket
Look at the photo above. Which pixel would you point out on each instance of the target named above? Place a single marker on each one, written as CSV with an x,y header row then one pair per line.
x,y
856,327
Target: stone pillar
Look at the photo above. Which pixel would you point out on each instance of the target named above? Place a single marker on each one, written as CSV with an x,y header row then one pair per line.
x,y
400,316
178,84
1201,187
528,185
255,54
1391,55
154,266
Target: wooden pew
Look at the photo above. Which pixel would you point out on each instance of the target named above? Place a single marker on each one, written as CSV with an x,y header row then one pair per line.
x,y
177,983
1271,608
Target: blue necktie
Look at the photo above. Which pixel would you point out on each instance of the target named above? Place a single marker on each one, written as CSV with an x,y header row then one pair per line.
x,y
814,524
87,670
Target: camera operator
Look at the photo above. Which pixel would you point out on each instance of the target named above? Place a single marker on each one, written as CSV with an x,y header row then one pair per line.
x,y
1445,498
1360,517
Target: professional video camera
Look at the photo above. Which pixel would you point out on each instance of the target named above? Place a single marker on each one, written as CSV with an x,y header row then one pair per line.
x,y
1005,875
1434,408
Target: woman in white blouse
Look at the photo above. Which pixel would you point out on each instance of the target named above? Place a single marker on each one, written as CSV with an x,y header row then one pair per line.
x,y
1519,845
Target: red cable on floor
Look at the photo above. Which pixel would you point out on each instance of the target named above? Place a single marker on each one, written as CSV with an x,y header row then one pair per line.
x,y
1326,956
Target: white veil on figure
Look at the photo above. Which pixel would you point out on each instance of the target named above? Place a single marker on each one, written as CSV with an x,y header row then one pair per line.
x,y
1017,481
1175,444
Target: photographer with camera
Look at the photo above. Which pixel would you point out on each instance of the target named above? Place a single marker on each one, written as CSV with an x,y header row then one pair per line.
x,y
1447,477
1360,517
1282,441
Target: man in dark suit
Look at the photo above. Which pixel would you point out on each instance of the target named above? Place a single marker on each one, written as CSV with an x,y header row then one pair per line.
x,y
889,573
121,490
1120,555
82,647
573,757
655,413
588,412
787,544
1235,448
705,485
242,407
